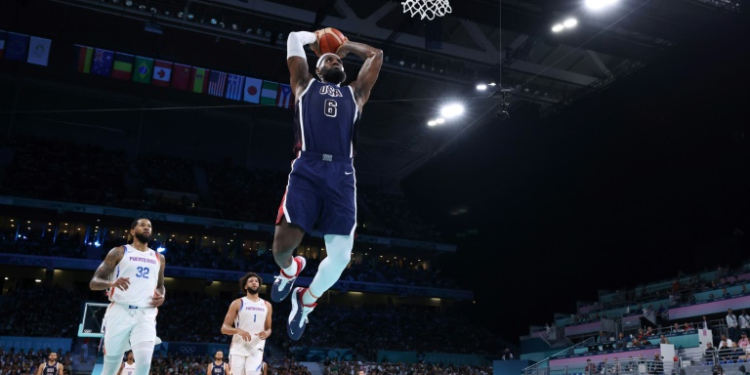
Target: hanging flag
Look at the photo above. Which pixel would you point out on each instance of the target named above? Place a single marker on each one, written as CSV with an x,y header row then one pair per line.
x,y
18,47
286,99
252,90
84,56
2,43
162,73
39,51
144,68
216,83
270,93
181,77
199,81
123,67
235,85
102,63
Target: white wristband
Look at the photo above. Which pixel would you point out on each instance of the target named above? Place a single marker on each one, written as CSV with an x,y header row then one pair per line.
x,y
295,43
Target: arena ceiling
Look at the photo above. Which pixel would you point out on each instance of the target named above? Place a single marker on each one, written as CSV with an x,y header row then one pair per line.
x,y
546,70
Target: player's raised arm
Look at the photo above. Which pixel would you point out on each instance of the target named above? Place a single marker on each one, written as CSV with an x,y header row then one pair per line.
x,y
296,59
368,74
101,281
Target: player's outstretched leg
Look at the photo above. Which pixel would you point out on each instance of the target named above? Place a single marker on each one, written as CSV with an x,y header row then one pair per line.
x,y
285,240
339,250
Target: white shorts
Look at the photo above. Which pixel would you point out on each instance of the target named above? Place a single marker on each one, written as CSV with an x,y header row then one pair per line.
x,y
247,364
125,326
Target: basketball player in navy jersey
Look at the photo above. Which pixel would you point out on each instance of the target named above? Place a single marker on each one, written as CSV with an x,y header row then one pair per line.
x,y
322,184
51,367
127,367
134,276
218,367
248,320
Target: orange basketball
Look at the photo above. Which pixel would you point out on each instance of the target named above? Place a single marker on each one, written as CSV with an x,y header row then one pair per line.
x,y
330,40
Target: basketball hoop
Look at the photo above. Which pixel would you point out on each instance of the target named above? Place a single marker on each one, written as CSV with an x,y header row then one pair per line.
x,y
427,8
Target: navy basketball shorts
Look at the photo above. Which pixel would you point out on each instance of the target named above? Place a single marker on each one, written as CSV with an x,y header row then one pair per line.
x,y
321,189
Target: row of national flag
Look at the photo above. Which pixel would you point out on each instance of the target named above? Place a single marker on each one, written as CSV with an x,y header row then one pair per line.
x,y
24,48
178,76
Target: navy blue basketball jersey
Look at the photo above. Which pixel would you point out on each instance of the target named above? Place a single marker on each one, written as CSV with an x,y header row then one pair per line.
x,y
50,369
217,369
326,118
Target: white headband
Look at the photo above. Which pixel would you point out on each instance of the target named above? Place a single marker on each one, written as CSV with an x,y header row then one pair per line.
x,y
322,57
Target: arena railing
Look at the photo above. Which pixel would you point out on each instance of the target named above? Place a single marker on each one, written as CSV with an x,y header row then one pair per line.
x,y
542,367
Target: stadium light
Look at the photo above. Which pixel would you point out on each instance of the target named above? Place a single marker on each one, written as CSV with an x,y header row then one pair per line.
x,y
161,249
431,123
570,23
38,280
557,28
452,110
481,87
97,244
599,4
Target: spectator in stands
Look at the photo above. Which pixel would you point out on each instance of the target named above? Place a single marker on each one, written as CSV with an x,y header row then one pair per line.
x,y
687,326
507,355
616,366
744,321
622,341
742,370
732,325
676,328
664,340
602,337
602,367
744,289
657,366
650,332
744,341
725,347
590,367
737,352
724,293
629,365
710,352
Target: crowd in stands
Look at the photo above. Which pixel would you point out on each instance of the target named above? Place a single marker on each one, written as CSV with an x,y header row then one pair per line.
x,y
190,255
40,311
395,328
52,170
653,365
71,172
27,362
678,293
386,368
391,328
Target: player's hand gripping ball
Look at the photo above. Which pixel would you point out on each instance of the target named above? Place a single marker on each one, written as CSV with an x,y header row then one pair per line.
x,y
329,41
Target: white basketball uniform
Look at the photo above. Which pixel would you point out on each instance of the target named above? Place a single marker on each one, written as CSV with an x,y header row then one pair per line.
x,y
128,369
130,318
246,357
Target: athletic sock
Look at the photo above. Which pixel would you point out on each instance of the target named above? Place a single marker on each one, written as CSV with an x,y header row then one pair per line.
x,y
308,299
290,271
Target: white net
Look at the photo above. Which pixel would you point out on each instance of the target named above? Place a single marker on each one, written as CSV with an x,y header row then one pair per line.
x,y
427,8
